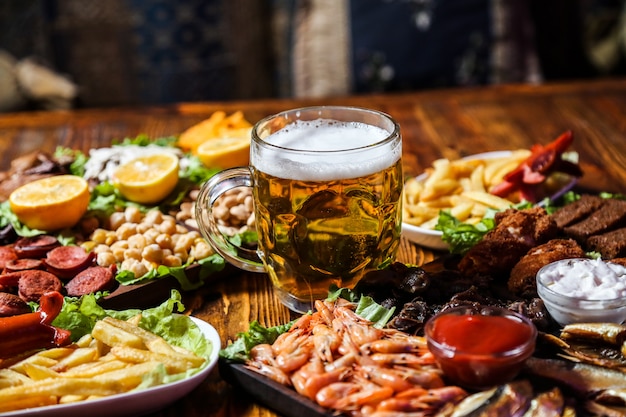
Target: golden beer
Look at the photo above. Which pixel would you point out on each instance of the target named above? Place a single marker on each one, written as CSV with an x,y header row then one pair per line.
x,y
318,233
330,216
327,185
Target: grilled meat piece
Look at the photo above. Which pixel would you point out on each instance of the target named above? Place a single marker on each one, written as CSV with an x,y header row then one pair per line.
x,y
578,210
522,281
611,215
610,245
515,233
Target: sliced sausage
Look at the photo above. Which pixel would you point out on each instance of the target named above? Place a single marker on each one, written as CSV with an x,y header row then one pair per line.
x,y
67,261
7,254
34,283
17,265
91,280
35,246
12,305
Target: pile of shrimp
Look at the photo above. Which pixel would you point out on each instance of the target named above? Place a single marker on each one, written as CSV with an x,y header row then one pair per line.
x,y
339,360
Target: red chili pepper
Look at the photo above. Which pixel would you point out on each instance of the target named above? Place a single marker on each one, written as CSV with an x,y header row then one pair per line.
x,y
30,331
542,161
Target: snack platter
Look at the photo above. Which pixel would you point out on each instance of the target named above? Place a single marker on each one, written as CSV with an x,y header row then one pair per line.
x,y
137,402
564,352
279,397
140,217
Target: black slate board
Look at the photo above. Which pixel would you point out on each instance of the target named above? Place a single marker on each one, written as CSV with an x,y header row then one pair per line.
x,y
277,397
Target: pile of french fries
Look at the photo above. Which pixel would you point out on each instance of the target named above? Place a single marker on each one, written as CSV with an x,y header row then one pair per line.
x,y
460,186
111,360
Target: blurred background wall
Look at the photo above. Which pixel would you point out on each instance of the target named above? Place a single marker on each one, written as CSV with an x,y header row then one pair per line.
x,y
99,53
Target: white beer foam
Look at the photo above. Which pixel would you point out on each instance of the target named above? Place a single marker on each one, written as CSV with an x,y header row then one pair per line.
x,y
323,139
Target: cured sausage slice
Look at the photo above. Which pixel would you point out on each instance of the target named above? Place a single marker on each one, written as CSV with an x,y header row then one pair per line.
x,y
7,254
17,265
34,283
12,305
67,261
35,246
91,280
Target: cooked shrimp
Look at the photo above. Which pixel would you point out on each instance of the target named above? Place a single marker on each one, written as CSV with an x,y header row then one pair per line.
x,y
330,394
269,371
295,355
326,341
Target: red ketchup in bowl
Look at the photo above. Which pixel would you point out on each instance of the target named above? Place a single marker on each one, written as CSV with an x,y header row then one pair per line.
x,y
480,348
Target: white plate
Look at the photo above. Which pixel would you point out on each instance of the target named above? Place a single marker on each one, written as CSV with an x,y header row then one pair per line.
x,y
133,403
432,238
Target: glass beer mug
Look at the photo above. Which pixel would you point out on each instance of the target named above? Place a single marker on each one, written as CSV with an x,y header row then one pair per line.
x,y
327,188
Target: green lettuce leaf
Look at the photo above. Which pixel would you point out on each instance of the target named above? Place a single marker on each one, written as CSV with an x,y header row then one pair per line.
x,y
239,350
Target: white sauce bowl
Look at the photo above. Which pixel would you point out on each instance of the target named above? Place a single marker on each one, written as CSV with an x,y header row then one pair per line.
x,y
583,290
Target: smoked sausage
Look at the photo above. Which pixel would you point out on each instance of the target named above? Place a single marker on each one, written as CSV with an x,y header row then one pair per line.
x,y
25,332
91,280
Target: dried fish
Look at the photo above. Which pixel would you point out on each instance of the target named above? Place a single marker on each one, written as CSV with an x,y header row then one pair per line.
x,y
510,400
612,333
581,377
546,404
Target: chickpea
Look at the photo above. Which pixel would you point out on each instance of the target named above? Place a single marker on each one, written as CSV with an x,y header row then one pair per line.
x,y
139,269
152,253
201,250
137,241
132,214
132,253
172,261
220,212
164,241
110,238
120,244
116,220
143,227
153,217
134,266
183,243
106,259
168,226
151,235
101,248
119,253
126,230
99,236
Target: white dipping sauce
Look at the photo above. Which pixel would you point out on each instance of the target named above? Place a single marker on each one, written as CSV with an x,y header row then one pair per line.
x,y
589,279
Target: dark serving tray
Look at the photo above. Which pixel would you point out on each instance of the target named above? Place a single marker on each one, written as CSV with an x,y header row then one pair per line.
x,y
277,397
153,292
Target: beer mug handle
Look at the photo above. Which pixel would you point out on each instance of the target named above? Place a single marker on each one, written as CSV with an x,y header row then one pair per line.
x,y
210,191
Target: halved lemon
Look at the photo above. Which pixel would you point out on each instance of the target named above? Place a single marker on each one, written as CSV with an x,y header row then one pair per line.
x,y
51,203
147,179
225,152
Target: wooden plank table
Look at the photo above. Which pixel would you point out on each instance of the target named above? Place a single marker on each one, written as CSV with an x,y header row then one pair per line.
x,y
434,124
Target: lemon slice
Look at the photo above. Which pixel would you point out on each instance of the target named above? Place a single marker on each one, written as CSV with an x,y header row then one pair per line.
x,y
51,203
225,152
147,179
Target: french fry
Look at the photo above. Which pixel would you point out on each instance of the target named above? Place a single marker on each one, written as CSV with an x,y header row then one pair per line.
x,y
487,199
77,357
27,402
38,372
461,186
173,364
114,336
11,378
88,370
